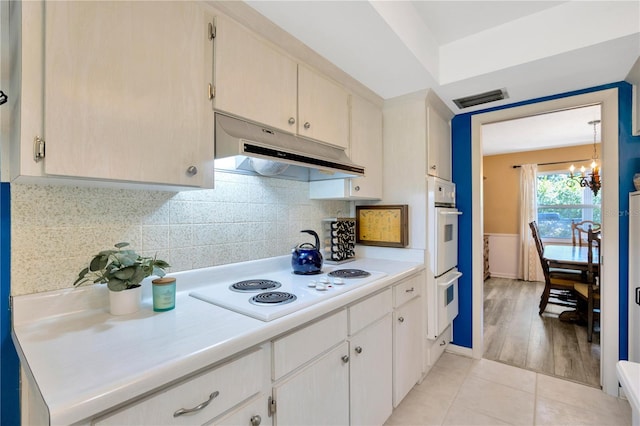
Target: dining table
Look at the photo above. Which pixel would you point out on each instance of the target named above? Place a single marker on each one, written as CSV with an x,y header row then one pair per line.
x,y
570,257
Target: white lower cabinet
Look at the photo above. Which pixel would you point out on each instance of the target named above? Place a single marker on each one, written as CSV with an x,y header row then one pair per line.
x,y
303,345
407,338
311,374
318,394
370,376
199,399
435,348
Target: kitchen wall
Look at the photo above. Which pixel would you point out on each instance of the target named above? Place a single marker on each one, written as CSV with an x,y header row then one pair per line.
x,y
56,229
502,182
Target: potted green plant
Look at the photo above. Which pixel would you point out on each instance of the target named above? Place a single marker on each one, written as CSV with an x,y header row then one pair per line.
x,y
122,271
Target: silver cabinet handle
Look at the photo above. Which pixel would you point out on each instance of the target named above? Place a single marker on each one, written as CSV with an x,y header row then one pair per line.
x,y
307,125
255,420
401,319
443,343
198,407
192,170
358,349
357,188
292,121
345,358
409,290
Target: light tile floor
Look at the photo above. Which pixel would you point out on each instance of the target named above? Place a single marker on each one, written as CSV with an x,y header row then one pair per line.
x,y
463,391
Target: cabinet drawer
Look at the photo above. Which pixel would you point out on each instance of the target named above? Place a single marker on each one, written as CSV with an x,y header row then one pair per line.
x,y
368,311
299,347
439,345
406,290
253,410
234,382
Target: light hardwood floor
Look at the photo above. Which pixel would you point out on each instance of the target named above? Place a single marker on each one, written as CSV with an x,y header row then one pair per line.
x,y
516,335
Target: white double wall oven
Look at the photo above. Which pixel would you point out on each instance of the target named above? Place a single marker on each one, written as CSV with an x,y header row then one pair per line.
x,y
442,242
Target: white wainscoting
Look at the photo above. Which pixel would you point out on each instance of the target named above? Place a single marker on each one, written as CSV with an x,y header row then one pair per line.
x,y
504,255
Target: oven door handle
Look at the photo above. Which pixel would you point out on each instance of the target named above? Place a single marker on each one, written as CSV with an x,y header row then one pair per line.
x,y
455,276
456,213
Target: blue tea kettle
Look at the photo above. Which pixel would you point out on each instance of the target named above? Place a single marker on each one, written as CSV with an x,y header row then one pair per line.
x,y
306,258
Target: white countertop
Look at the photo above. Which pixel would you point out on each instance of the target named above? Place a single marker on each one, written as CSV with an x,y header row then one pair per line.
x,y
85,360
629,376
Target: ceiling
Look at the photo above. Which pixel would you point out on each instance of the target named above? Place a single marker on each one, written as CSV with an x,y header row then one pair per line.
x,y
461,48
562,128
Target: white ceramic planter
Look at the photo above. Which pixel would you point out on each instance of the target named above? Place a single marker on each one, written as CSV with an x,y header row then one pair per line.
x,y
125,301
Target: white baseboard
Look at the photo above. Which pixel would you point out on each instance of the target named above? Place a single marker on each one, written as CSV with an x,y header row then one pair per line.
x,y
459,350
510,276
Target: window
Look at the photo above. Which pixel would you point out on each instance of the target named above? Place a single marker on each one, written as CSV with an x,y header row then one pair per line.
x,y
559,203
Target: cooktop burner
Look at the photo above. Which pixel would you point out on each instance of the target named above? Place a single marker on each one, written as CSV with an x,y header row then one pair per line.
x,y
272,298
349,273
254,285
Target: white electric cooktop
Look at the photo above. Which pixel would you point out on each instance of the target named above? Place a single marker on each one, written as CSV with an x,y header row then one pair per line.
x,y
299,291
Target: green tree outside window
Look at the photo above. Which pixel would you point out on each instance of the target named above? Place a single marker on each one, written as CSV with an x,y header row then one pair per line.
x,y
560,201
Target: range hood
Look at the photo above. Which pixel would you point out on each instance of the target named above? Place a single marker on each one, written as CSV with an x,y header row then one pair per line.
x,y
248,148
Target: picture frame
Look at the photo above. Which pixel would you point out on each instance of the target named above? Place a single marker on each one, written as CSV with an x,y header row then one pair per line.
x,y
383,225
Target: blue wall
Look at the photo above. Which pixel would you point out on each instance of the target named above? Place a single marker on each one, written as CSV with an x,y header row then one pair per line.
x,y
629,164
9,367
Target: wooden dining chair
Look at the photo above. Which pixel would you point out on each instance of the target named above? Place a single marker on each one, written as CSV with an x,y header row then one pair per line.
x,y
558,285
580,230
589,293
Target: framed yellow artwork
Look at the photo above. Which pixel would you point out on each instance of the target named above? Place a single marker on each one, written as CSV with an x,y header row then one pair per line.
x,y
386,226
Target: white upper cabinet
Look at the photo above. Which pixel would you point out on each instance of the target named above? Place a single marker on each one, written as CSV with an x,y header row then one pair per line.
x,y
126,92
438,138
366,150
253,79
323,108
257,81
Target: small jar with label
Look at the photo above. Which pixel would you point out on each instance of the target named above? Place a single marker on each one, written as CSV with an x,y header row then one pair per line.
x,y
164,294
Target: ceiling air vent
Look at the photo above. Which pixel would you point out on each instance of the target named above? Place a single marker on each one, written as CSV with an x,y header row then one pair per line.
x,y
482,98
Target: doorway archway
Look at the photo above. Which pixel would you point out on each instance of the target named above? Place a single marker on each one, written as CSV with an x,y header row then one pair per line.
x,y
608,99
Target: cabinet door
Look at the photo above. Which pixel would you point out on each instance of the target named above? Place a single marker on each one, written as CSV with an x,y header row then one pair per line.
x,y
371,372
407,349
366,148
318,394
438,138
253,80
126,92
323,109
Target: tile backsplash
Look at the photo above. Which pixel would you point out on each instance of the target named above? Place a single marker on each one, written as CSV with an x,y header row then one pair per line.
x,y
57,229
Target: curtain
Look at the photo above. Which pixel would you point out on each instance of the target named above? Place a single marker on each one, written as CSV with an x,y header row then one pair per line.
x,y
529,259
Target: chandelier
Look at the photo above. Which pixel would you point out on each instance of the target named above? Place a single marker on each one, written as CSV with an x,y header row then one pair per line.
x,y
591,179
